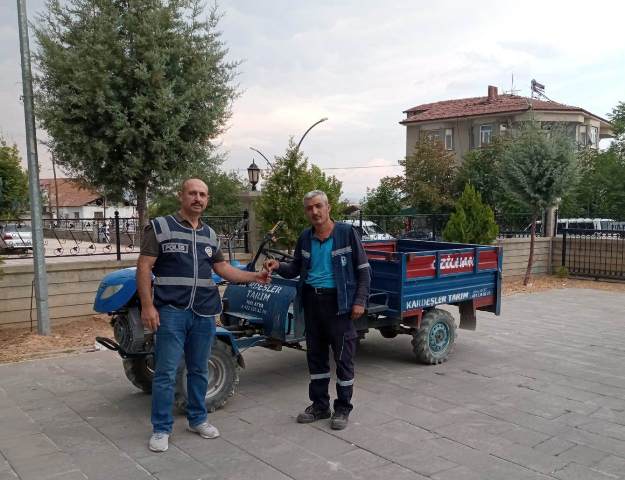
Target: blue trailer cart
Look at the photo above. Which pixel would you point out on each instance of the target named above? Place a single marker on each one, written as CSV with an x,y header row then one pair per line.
x,y
410,280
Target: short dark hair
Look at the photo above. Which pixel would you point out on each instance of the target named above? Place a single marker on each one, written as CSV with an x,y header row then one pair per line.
x,y
184,183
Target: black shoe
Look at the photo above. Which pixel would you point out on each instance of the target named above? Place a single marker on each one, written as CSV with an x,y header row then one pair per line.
x,y
312,414
339,420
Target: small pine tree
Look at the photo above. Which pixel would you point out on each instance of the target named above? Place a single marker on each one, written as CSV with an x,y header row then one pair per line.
x,y
472,221
283,193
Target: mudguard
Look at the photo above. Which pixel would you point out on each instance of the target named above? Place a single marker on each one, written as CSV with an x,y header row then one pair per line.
x,y
115,290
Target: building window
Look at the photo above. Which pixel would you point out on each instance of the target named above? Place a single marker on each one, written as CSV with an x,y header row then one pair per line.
x,y
486,134
449,139
433,135
582,137
594,136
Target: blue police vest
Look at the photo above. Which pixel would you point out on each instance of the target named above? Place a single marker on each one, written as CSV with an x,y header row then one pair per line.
x,y
183,269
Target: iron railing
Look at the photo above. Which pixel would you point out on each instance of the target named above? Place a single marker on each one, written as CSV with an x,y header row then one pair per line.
x,y
430,226
71,237
103,236
594,253
423,226
232,231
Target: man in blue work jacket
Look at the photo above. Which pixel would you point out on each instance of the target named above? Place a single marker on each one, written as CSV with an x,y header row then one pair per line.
x,y
182,252
334,284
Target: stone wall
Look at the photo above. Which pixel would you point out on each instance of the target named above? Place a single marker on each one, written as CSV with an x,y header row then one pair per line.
x,y
516,252
71,290
72,284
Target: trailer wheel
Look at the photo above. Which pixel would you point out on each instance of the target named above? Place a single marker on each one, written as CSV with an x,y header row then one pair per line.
x,y
223,378
140,372
434,339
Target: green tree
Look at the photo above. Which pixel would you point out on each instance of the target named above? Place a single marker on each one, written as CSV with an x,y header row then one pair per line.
x,y
587,196
481,168
599,190
618,120
429,177
539,168
284,189
223,188
472,221
384,201
13,181
131,93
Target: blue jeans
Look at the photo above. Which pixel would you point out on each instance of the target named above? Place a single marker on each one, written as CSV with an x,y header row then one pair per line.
x,y
181,332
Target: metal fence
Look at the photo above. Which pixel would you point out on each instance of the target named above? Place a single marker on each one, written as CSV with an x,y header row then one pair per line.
x,y
430,226
71,237
103,236
425,227
594,253
517,225
232,231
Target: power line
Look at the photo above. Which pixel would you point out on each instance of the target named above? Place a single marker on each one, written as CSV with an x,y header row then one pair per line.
x,y
344,168
361,167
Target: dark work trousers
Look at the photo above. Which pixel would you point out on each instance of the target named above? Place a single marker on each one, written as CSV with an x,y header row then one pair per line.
x,y
324,329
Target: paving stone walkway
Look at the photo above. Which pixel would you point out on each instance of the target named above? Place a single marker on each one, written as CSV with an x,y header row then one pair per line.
x,y
538,393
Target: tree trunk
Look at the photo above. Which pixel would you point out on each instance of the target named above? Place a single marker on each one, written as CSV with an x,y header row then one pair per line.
x,y
530,260
142,207
56,189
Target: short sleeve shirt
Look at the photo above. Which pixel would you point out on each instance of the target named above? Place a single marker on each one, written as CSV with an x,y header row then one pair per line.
x,y
149,243
321,274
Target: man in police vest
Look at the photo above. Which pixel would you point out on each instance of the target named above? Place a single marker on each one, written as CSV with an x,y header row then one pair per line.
x,y
334,283
182,252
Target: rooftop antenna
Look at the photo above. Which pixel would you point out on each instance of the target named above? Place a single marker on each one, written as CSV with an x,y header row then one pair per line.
x,y
513,91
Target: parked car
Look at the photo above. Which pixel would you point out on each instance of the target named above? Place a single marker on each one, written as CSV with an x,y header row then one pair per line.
x,y
418,234
368,230
15,238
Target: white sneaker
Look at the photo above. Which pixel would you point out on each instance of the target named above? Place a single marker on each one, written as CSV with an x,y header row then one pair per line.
x,y
205,430
159,442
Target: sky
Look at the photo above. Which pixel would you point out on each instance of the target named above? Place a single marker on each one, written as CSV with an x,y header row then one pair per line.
x,y
360,63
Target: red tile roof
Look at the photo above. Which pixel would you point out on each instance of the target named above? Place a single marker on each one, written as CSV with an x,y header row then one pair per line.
x,y
71,192
478,106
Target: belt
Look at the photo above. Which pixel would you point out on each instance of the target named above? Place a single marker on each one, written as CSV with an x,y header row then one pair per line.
x,y
319,290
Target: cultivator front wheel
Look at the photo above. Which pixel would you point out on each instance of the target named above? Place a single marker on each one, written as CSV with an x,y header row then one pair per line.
x,y
223,378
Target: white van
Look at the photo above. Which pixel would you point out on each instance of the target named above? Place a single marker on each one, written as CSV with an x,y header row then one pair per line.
x,y
369,230
584,224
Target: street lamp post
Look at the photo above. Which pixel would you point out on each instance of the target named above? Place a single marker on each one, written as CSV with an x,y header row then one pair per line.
x,y
262,155
306,132
253,174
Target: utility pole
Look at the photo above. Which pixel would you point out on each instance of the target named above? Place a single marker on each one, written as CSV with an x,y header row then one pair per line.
x,y
41,279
